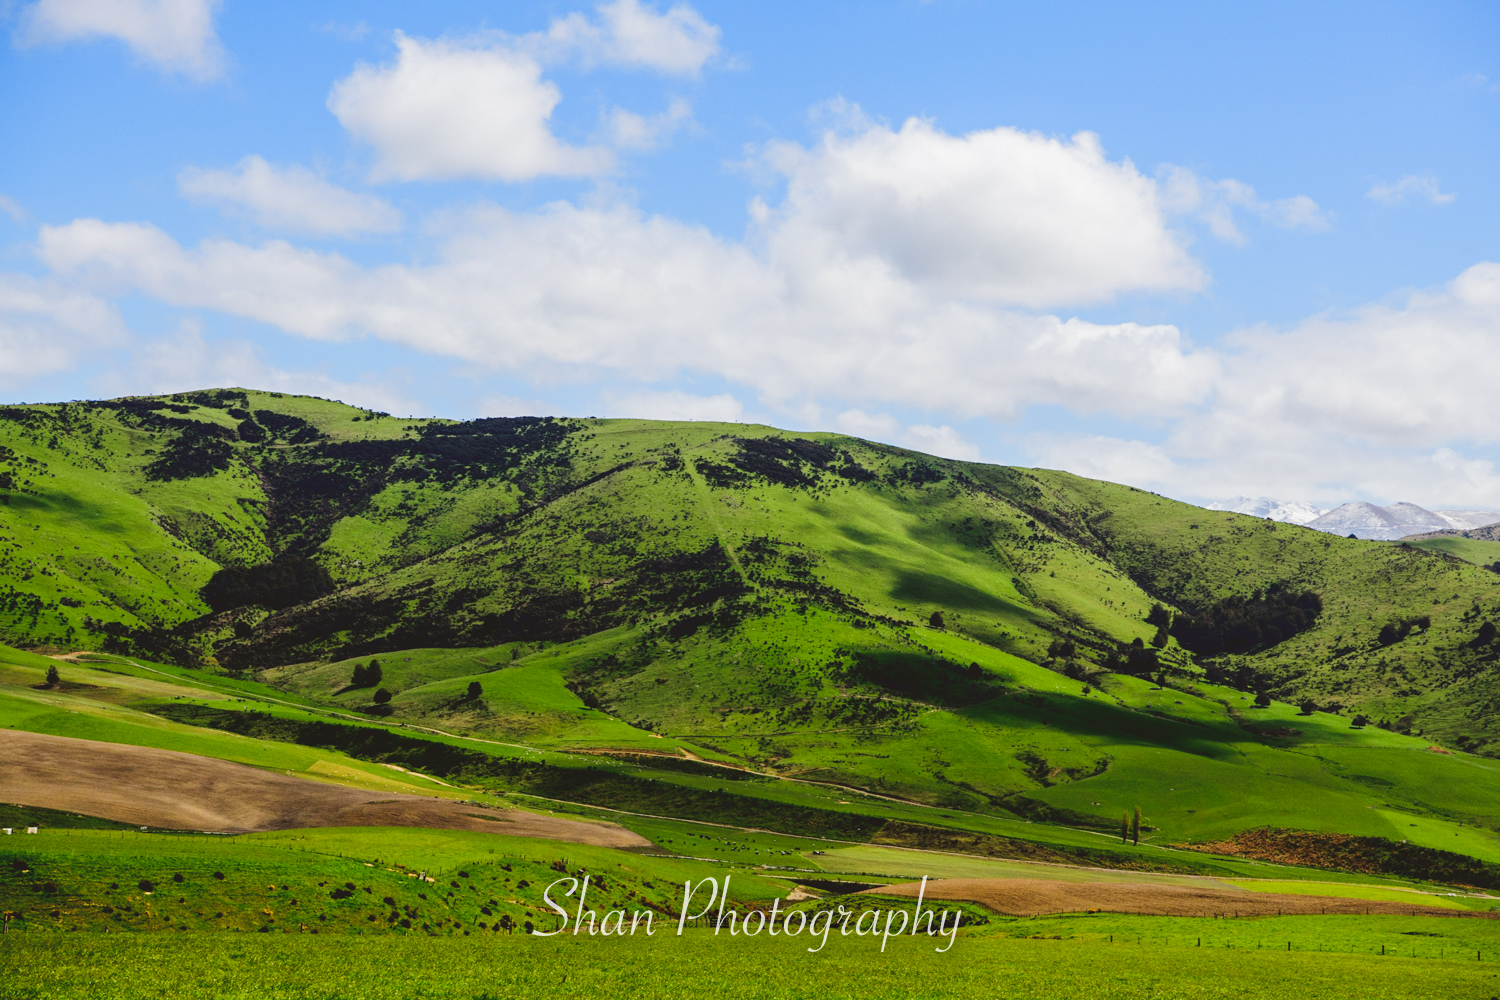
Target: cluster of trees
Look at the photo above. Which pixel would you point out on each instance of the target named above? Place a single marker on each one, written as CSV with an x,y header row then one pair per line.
x,y
366,677
1394,631
1133,659
283,583
1243,624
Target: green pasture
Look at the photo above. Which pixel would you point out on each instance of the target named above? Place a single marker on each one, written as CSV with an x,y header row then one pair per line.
x,y
1474,550
1044,959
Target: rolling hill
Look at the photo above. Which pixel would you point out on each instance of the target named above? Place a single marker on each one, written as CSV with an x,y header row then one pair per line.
x,y
800,614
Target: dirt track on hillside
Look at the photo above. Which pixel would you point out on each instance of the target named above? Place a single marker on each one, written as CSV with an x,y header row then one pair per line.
x,y
180,791
1028,897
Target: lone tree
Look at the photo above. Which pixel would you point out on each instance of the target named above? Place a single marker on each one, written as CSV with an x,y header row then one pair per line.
x,y
475,690
1125,827
1159,640
1262,700
1135,826
53,677
936,621
1308,706
382,696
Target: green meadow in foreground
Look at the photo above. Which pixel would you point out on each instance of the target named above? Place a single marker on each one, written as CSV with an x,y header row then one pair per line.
x,y
1066,958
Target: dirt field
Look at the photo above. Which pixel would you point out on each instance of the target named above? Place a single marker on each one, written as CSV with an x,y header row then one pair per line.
x,y
162,788
1025,897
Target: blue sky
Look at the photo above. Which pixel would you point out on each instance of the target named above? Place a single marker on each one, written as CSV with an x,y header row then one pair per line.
x,y
1203,249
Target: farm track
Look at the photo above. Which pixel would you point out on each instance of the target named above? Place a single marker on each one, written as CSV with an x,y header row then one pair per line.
x,y
172,790
1021,897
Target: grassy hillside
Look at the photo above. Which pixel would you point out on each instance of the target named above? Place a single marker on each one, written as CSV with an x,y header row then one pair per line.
x,y
835,619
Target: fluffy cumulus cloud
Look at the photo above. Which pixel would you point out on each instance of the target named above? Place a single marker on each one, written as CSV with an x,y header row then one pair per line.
x,y
628,33
1374,404
46,326
176,35
613,291
904,270
466,108
289,198
1001,216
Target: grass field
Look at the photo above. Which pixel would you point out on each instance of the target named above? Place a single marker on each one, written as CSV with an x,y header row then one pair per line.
x,y
1021,959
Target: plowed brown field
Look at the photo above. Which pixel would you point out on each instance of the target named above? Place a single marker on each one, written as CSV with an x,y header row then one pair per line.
x,y
1028,897
163,788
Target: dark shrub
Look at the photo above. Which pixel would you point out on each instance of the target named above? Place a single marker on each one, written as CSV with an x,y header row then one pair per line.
x,y
280,584
382,696
475,690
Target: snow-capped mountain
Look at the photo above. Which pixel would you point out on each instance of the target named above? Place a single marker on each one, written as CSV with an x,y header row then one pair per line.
x,y
1365,520
1361,519
1285,511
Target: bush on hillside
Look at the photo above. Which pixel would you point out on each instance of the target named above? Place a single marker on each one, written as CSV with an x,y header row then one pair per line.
x,y
280,584
382,696
1394,631
475,690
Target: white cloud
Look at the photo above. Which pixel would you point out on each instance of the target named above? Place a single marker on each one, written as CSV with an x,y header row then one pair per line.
x,y
1388,403
449,109
46,326
628,33
872,426
1215,203
943,441
1410,186
628,130
185,360
678,406
609,290
13,209
176,35
1110,459
1002,216
291,198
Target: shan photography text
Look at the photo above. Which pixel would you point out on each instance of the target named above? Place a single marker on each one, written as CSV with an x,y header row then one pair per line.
x,y
881,923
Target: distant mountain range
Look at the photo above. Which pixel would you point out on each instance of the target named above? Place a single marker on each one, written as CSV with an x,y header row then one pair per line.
x,y
1361,519
1285,511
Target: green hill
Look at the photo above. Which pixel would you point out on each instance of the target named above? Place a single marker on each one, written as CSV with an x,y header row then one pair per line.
x,y
826,612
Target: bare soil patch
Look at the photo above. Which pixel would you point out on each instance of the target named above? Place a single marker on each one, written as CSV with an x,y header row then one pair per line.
x,y
171,790
1025,897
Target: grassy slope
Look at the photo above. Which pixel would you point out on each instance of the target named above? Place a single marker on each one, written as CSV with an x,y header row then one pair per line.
x,y
590,549
1477,551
